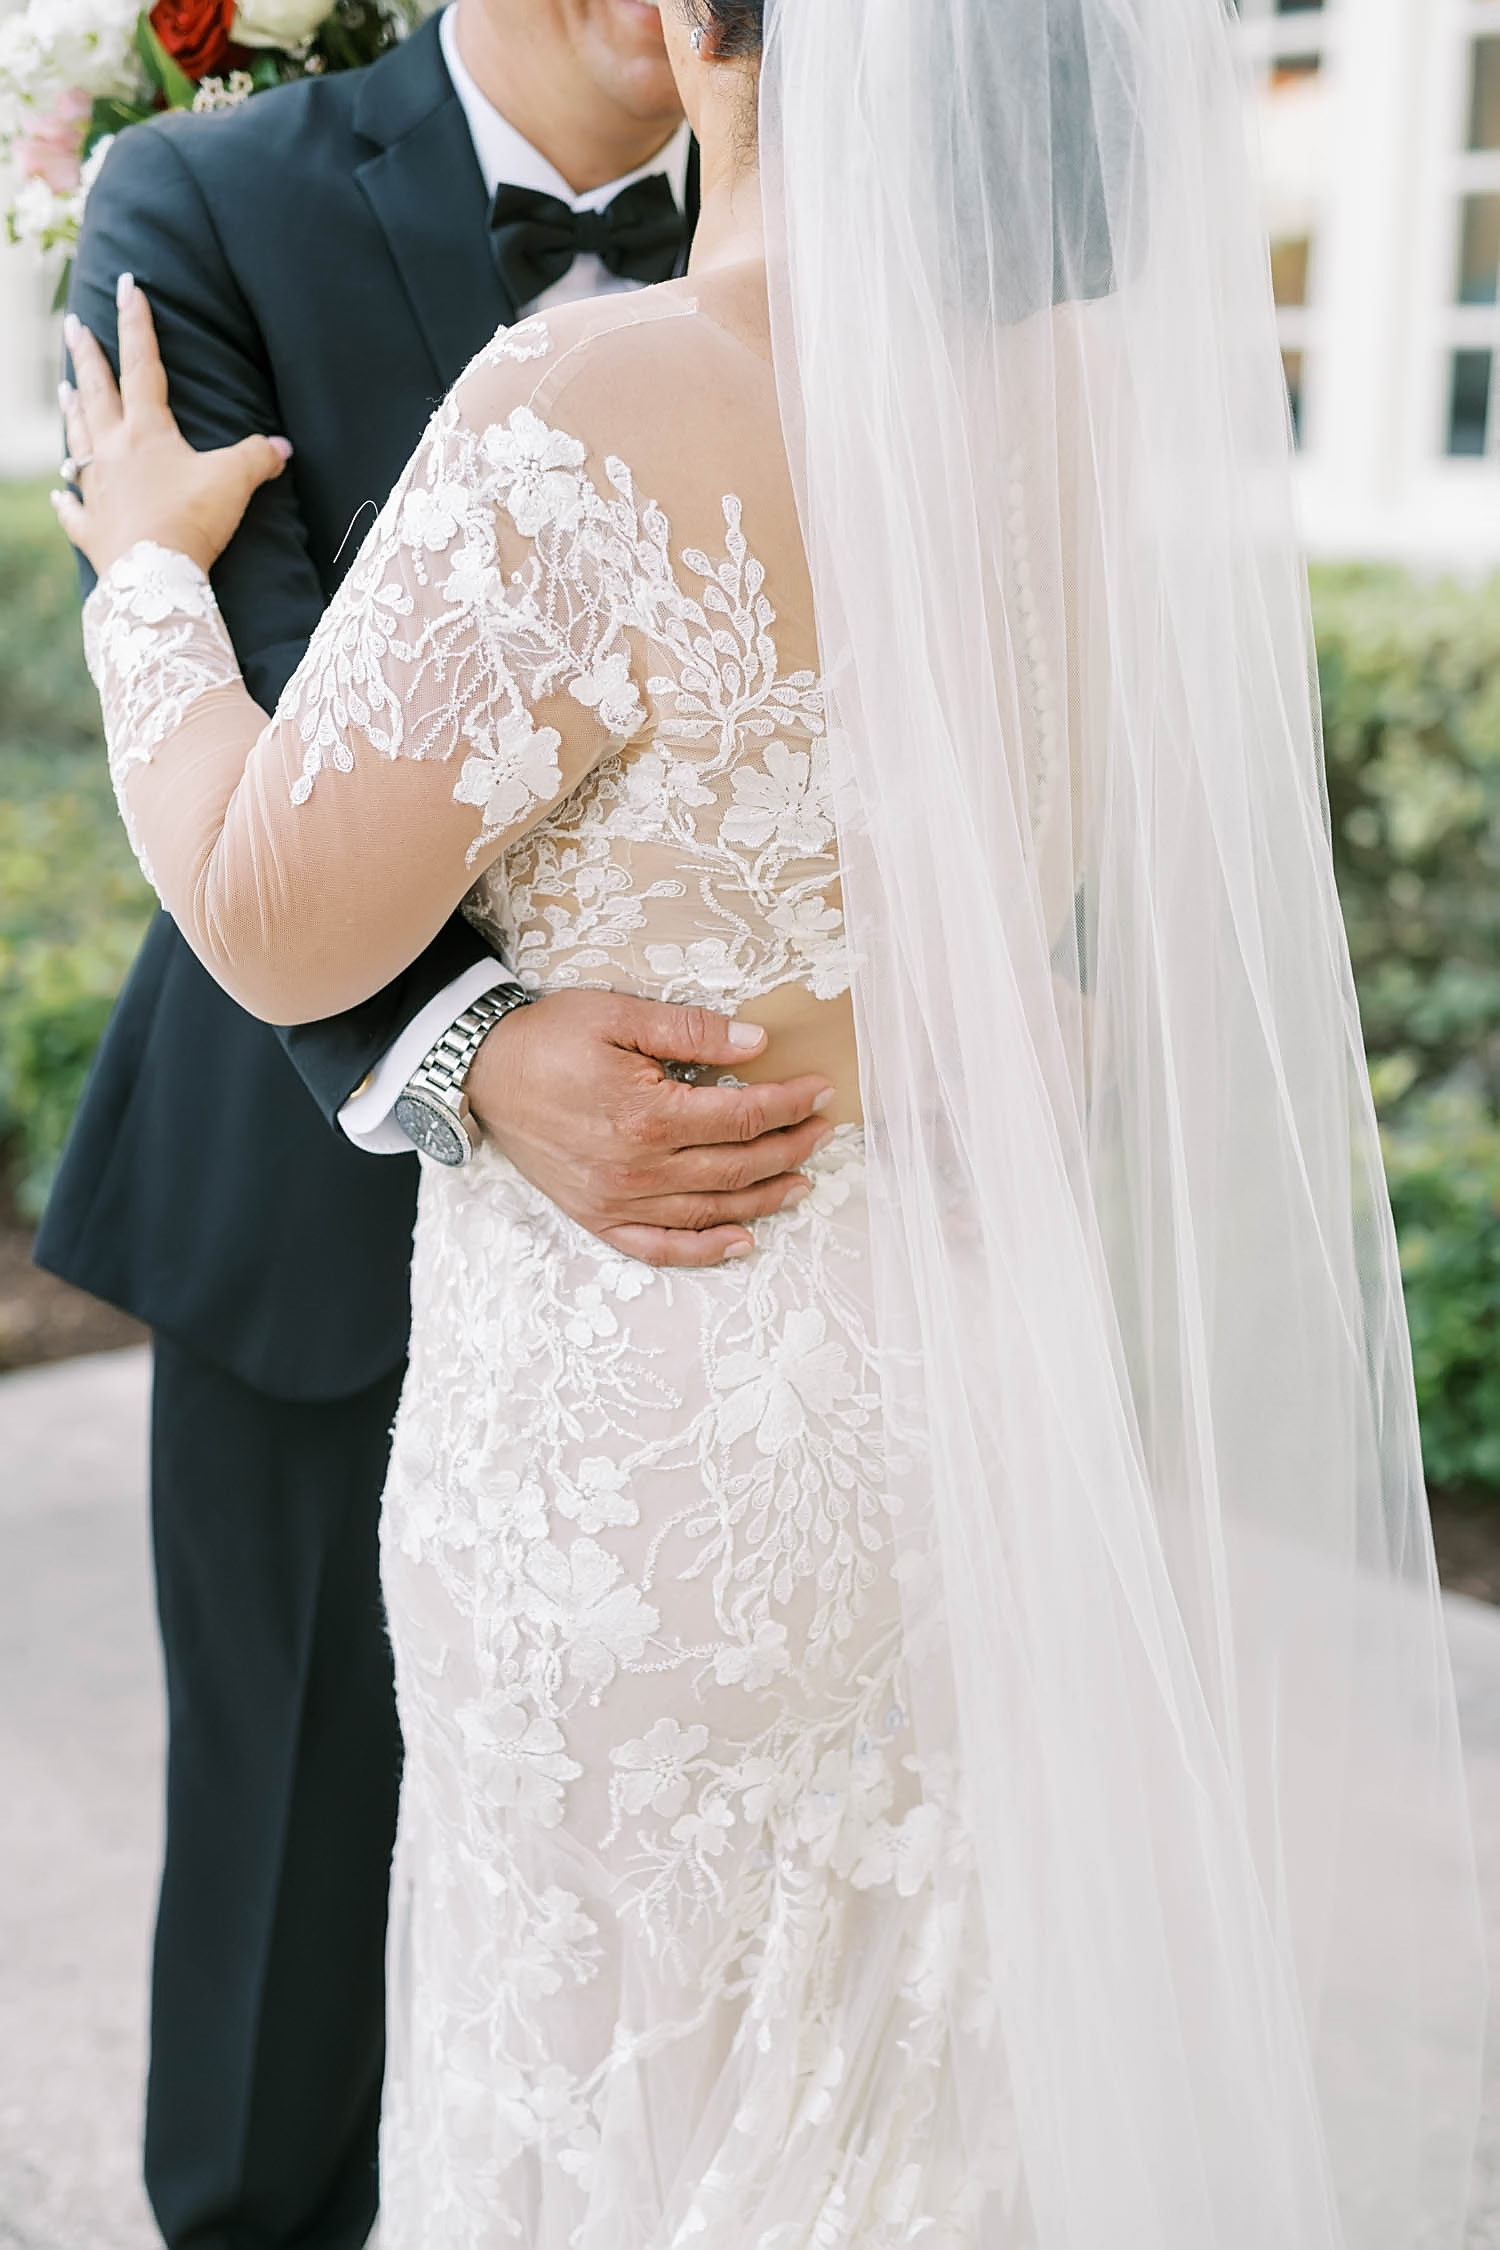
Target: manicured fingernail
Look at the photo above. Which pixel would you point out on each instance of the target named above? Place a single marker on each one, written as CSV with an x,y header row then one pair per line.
x,y
739,1249
124,290
281,447
72,329
745,1035
824,1138
824,1098
798,1193
65,395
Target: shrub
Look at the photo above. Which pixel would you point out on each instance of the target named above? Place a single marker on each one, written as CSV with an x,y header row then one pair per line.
x,y
72,903
1443,1164
1411,716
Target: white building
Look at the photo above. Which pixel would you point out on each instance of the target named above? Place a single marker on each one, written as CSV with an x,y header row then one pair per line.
x,y
1381,140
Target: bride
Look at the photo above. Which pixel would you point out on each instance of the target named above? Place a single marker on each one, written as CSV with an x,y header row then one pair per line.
x,y
937,1732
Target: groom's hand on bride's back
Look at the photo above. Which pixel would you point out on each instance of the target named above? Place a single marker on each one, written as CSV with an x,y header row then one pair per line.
x,y
573,1091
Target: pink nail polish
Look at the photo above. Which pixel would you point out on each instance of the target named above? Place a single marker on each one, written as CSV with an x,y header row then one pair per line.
x,y
739,1250
824,1098
281,446
124,290
797,1194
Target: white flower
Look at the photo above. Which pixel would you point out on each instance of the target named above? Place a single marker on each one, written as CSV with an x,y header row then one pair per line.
x,y
39,215
815,930
653,1768
706,965
431,515
277,23
904,1855
600,1497
539,471
223,93
753,1664
600,1622
707,1829
513,766
788,801
506,1504
527,1757
762,1784
608,689
591,1319
160,584
773,1394
473,573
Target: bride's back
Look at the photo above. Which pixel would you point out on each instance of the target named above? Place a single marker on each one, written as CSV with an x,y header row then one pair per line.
x,y
697,863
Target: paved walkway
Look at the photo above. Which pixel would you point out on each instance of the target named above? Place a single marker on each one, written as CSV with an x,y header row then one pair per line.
x,y
80,1784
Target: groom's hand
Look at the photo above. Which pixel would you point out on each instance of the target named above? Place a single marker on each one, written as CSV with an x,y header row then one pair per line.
x,y
573,1092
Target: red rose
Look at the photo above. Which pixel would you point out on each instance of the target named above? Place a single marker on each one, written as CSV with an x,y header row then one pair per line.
x,y
195,33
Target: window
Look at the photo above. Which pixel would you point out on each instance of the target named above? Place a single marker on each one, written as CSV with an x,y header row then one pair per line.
x,y
1473,322
1484,100
1284,41
1469,418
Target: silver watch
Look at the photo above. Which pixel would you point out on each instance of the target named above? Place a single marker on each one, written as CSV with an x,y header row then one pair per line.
x,y
432,1108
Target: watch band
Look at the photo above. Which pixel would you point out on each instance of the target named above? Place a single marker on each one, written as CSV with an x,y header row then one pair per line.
x,y
430,1108
449,1060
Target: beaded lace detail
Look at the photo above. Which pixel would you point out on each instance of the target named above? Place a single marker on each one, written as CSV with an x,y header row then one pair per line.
x,y
511,575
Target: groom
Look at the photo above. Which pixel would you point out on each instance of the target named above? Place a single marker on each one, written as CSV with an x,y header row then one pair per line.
x,y
322,263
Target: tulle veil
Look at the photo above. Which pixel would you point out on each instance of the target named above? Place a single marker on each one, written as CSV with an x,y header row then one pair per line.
x,y
1172,1608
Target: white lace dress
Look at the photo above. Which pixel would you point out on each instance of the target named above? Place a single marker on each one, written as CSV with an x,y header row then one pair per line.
x,y
669,1966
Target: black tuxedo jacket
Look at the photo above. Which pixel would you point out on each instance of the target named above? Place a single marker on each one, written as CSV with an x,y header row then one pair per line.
x,y
318,265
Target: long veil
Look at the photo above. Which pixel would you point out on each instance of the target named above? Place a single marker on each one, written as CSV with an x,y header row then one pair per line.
x,y
1173,1615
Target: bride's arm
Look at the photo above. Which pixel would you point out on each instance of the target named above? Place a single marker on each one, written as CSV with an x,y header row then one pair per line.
x,y
471,669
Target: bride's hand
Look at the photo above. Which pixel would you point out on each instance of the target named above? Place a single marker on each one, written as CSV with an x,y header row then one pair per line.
x,y
137,476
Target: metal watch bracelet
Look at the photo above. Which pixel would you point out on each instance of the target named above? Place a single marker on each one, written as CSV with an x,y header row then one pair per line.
x,y
431,1109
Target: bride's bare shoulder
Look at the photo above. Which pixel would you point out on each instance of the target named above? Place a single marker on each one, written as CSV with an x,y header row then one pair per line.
x,y
609,365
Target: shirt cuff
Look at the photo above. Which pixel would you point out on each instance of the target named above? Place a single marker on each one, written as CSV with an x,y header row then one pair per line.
x,y
366,1115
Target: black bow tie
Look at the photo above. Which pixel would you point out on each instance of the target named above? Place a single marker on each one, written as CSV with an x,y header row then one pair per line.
x,y
536,237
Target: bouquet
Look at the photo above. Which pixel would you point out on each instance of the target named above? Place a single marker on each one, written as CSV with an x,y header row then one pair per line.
x,y
73,73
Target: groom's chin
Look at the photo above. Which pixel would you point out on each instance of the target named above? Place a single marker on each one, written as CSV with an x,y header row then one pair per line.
x,y
627,39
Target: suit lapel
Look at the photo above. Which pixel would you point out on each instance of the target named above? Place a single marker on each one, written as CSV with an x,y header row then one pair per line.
x,y
423,184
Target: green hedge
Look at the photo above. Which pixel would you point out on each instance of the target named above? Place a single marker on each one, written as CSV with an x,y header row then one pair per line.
x,y
72,901
1411,694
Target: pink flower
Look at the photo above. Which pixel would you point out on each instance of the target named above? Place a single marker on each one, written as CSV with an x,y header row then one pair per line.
x,y
53,149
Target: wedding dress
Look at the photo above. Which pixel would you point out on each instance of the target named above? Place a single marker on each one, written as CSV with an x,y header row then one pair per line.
x,y
939,1733
667,1959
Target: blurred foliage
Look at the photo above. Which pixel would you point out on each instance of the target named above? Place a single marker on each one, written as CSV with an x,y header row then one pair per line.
x,y
1411,714
73,905
1411,704
1410,674
1443,1163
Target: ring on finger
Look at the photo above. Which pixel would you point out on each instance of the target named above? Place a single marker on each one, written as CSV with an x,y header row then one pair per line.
x,y
73,466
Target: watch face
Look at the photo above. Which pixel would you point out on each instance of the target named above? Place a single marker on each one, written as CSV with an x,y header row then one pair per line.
x,y
431,1129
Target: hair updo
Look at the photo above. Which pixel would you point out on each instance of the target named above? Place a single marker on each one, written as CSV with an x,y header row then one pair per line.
x,y
740,24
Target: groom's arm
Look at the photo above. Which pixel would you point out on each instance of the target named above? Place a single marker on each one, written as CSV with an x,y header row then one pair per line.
x,y
146,216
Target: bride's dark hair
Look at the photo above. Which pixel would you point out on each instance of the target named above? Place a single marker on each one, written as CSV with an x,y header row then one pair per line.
x,y
741,24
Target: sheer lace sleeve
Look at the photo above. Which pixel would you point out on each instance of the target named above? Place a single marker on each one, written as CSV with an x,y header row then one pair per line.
x,y
476,663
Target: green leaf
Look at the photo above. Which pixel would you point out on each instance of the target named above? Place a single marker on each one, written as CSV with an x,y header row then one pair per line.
x,y
167,76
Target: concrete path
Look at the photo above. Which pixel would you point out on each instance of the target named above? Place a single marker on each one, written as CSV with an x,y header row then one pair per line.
x,y
80,1788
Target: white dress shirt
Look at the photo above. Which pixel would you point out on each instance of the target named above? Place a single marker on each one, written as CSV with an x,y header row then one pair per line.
x,y
504,154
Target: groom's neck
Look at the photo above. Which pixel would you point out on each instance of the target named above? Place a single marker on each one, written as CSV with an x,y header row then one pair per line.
x,y
589,91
